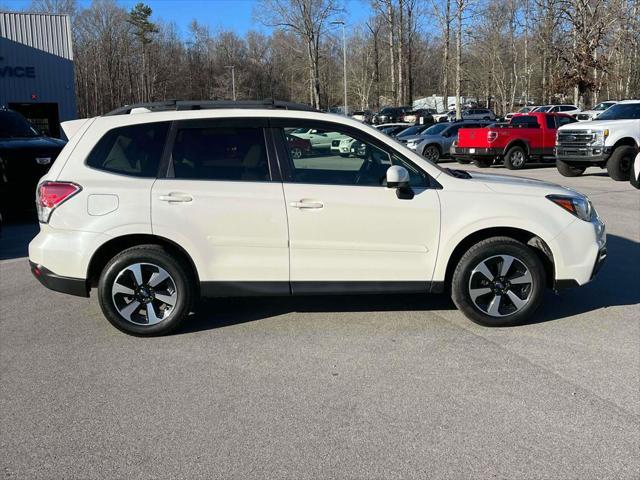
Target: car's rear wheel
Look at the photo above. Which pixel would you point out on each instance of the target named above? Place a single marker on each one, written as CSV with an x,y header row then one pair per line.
x,y
619,164
568,170
145,291
516,158
296,152
464,162
431,153
498,282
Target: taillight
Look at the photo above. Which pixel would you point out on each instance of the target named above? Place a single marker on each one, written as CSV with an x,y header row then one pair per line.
x,y
50,195
492,135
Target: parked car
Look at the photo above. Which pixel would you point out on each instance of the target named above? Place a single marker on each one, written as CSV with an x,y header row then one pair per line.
x,y
435,142
522,111
390,115
566,109
392,129
441,117
299,147
527,138
474,114
157,209
319,139
635,172
25,155
411,132
365,116
610,142
420,116
595,111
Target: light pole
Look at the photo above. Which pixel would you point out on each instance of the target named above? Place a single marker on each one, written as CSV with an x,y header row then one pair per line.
x,y
344,60
233,80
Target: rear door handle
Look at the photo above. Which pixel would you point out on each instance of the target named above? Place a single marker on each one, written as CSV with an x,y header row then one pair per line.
x,y
174,197
302,204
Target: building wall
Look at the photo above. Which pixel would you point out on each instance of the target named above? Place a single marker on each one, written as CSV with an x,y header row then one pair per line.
x,y
36,61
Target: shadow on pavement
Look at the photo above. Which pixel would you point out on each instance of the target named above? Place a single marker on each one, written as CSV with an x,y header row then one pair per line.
x,y
15,238
617,284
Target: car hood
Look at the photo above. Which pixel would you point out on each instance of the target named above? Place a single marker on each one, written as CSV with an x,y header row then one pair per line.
x,y
31,144
519,185
594,124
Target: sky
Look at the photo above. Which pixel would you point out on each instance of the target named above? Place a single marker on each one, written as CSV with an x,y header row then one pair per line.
x,y
236,15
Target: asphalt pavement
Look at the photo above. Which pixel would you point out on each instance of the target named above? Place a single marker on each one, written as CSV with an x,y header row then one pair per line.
x,y
380,387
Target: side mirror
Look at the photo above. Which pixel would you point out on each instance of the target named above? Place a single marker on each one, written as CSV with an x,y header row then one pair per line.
x,y
398,178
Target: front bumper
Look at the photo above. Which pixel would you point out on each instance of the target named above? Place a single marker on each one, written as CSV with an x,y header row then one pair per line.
x,y
71,286
572,154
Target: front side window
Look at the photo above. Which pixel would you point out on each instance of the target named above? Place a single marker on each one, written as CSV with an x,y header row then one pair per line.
x,y
134,150
348,160
220,153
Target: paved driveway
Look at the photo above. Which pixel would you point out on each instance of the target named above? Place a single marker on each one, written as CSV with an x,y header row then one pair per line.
x,y
325,387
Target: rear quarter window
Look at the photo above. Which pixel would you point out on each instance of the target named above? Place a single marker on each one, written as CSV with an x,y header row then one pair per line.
x,y
134,150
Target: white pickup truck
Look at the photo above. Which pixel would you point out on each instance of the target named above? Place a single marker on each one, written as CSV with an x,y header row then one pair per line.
x,y
612,142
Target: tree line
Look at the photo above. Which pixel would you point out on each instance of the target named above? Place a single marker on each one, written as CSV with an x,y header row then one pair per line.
x,y
505,53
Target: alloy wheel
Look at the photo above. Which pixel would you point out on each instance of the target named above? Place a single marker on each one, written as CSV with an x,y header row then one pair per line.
x,y
144,294
296,152
500,285
431,153
517,158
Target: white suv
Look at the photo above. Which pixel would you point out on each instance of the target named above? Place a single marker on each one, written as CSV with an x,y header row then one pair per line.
x,y
181,200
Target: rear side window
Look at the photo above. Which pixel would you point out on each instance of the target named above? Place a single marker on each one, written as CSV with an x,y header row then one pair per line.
x,y
525,121
134,150
220,153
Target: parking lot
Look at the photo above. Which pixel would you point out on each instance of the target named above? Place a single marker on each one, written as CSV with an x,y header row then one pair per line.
x,y
330,387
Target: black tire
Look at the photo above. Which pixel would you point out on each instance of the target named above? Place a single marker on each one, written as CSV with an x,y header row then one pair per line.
x,y
491,250
296,152
432,152
181,278
483,162
516,158
620,162
464,162
568,170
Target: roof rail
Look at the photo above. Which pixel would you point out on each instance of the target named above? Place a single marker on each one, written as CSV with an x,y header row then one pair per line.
x,y
170,105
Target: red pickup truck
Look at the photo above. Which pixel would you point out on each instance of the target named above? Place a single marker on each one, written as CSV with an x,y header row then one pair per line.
x,y
530,137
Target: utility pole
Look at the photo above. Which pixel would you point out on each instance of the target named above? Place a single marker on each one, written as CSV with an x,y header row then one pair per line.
x,y
344,60
233,80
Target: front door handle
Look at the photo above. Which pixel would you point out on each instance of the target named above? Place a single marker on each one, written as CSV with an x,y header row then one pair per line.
x,y
174,197
306,205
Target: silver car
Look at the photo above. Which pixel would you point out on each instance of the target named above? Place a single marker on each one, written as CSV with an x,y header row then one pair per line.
x,y
434,143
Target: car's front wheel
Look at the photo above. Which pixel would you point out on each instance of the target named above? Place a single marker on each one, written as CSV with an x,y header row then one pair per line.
x,y
296,152
431,153
145,291
498,282
569,170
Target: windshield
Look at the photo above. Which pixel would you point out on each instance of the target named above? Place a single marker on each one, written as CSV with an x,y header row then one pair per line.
x,y
415,130
546,108
525,110
12,125
300,130
602,106
622,111
437,128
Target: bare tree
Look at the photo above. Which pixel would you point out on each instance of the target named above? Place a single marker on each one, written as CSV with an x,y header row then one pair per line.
x,y
307,19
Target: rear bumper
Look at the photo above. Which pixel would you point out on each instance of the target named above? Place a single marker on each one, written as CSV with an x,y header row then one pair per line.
x,y
470,153
582,154
71,286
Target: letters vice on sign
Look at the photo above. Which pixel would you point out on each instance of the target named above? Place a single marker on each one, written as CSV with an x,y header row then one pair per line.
x,y
20,71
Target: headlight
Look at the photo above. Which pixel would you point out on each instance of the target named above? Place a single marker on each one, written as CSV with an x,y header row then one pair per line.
x,y
581,207
412,144
599,137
